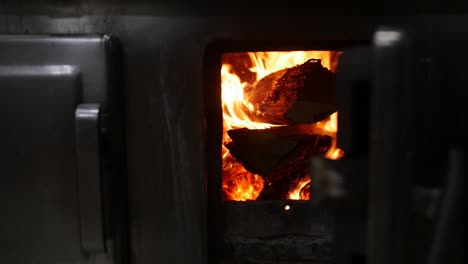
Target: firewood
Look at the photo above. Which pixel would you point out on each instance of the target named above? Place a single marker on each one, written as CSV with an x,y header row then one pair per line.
x,y
301,94
292,169
261,151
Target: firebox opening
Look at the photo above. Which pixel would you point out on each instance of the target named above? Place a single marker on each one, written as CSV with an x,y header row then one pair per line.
x,y
278,110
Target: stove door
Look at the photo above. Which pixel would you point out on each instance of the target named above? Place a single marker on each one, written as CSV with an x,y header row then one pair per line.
x,y
57,150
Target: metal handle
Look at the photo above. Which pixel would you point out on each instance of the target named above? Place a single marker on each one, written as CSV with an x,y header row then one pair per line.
x,y
89,177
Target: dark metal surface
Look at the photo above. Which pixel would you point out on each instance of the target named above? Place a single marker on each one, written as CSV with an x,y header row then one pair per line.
x,y
37,157
390,151
275,218
353,100
87,133
85,52
449,234
38,63
276,232
279,250
414,79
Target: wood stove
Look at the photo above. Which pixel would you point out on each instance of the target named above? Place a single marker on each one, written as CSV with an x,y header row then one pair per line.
x,y
172,60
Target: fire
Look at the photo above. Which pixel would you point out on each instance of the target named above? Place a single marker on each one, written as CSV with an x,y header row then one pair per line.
x,y
239,184
330,127
242,185
295,193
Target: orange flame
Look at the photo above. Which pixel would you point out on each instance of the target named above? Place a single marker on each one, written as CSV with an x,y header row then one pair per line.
x,y
239,184
295,193
329,127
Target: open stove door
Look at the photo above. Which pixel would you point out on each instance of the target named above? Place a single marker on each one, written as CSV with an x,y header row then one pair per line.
x,y
61,150
417,154
398,193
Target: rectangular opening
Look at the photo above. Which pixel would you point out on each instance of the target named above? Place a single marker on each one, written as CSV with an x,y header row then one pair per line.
x,y
278,110
269,107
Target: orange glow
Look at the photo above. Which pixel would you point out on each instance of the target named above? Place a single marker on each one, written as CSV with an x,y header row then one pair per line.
x,y
295,193
239,184
330,127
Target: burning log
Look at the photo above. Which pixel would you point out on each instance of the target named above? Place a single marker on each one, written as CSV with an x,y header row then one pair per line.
x,y
261,150
280,154
291,170
301,94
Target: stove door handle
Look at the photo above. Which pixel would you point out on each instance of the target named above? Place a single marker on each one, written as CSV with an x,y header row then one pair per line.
x,y
87,133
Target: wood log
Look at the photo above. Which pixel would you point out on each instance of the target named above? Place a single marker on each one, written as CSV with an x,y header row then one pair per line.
x,y
261,151
292,169
301,94
280,155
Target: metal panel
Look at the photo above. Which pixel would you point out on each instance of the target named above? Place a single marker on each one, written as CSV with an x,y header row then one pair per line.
x,y
38,179
86,52
448,243
353,99
389,157
99,218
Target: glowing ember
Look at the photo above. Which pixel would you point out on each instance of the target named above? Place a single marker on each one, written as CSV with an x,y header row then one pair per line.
x,y
239,184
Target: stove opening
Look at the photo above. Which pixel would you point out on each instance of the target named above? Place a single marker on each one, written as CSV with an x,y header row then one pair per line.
x,y
278,110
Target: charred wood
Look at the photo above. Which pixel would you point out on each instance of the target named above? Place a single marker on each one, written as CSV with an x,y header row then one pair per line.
x,y
261,151
280,155
292,169
301,94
